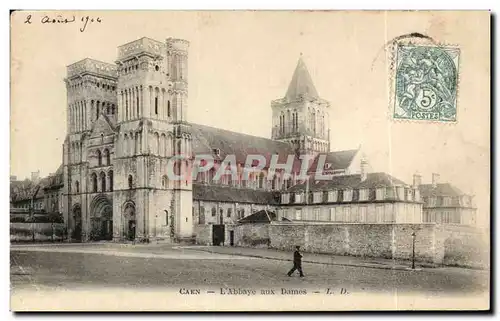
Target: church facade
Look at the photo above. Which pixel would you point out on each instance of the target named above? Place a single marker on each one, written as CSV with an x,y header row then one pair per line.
x,y
127,120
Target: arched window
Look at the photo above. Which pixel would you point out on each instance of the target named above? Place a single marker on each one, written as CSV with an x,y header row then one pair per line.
x,y
156,105
94,182
125,144
110,174
168,108
97,109
157,144
137,105
261,180
214,212
221,217
99,158
77,186
130,181
103,182
164,181
106,155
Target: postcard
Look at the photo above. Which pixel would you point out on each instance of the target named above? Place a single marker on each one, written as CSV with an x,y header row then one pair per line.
x,y
250,160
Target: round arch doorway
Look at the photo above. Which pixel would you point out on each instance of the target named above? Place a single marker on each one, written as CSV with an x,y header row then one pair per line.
x,y
101,219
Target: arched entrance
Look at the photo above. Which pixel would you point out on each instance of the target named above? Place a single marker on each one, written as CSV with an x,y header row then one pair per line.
x,y
101,220
76,233
129,220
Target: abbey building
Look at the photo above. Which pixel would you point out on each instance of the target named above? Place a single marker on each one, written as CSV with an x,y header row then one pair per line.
x,y
127,119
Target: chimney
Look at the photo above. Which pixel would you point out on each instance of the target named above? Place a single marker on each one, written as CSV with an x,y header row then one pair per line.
x,y
435,179
417,180
364,165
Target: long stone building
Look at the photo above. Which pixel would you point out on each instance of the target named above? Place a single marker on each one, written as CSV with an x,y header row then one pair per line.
x,y
126,120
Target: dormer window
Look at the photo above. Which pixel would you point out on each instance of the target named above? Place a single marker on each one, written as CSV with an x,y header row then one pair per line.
x,y
363,194
317,197
328,166
347,195
216,151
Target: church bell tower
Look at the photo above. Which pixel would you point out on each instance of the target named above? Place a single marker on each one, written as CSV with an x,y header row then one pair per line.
x,y
152,109
301,117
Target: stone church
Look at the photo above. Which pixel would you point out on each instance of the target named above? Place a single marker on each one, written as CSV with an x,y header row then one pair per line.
x,y
126,120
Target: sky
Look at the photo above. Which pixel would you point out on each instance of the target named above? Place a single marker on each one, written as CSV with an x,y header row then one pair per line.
x,y
240,61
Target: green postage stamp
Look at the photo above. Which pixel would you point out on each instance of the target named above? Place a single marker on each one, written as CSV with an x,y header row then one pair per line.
x,y
426,82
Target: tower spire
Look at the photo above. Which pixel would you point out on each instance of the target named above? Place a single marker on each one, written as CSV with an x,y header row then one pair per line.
x,y
301,83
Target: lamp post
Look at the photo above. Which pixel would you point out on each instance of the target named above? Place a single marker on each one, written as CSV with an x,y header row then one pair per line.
x,y
413,251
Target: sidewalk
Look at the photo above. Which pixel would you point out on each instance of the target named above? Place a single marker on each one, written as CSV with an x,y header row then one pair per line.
x,y
328,259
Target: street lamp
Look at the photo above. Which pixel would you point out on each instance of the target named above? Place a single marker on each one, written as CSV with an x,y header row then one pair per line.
x,y
413,251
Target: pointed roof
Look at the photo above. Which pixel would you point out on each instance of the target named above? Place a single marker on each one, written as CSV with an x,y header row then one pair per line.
x,y
301,83
102,125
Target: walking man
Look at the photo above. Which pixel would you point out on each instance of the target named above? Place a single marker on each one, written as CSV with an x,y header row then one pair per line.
x,y
297,262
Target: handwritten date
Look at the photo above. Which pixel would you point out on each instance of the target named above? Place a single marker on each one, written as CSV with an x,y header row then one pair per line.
x,y
59,19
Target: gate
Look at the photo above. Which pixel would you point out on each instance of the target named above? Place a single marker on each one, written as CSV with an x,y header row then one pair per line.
x,y
218,234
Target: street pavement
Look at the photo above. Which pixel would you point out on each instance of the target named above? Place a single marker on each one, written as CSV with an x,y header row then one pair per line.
x,y
161,267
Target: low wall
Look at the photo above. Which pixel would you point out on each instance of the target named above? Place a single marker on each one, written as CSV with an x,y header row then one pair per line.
x,y
38,232
203,234
369,240
466,246
252,235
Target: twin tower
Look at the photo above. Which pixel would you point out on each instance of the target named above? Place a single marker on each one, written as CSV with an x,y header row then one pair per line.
x,y
125,120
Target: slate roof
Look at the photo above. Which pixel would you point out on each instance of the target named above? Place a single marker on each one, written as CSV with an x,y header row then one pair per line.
x,y
372,180
262,216
217,193
445,189
339,160
55,181
301,84
206,139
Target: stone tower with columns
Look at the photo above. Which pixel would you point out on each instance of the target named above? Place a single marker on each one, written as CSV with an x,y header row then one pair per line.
x,y
301,117
88,148
152,109
126,125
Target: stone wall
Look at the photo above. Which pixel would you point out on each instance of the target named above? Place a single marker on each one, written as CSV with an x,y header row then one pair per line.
x,y
252,235
203,234
370,240
38,232
466,246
